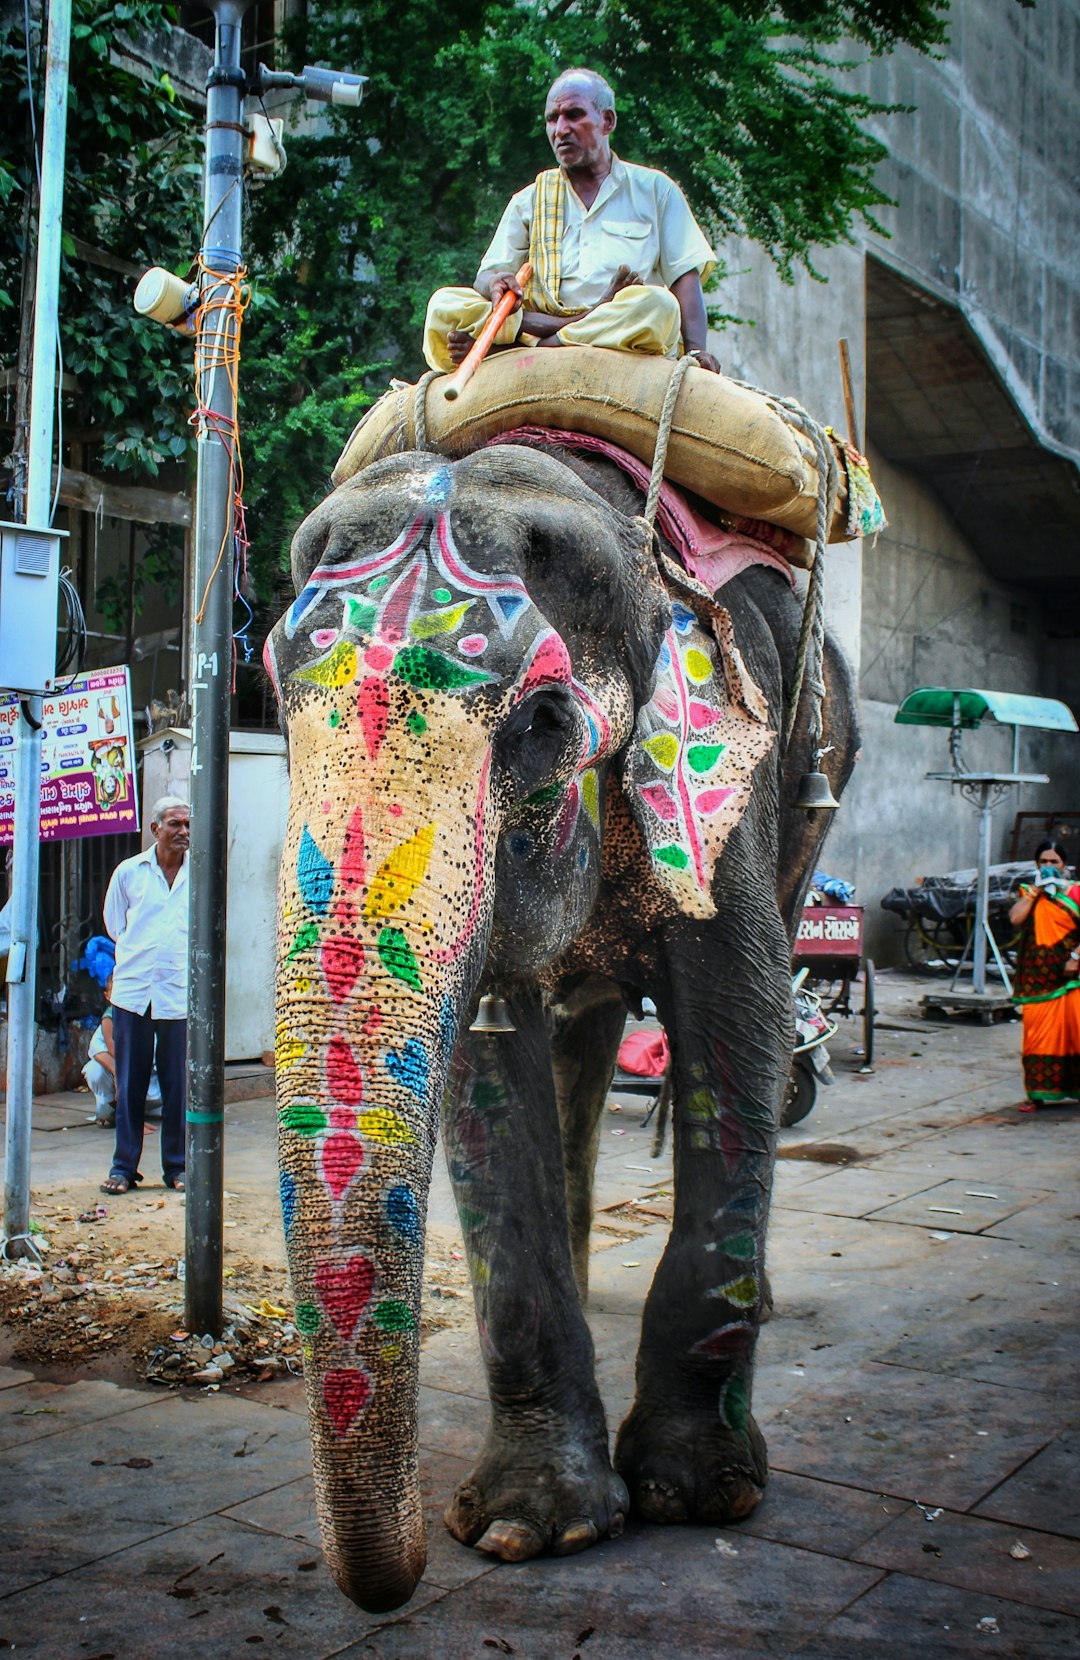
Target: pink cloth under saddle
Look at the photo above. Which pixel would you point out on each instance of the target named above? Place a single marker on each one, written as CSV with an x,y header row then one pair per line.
x,y
710,554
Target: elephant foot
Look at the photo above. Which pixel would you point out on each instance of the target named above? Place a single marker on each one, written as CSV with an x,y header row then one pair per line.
x,y
690,1467
520,1502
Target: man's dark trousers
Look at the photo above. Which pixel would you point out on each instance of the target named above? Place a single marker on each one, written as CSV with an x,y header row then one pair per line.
x,y
134,1037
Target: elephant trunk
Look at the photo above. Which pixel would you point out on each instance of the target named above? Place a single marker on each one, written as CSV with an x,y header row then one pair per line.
x,y
369,993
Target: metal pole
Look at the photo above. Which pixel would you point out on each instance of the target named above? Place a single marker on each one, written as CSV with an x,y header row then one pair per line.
x,y
22,962
982,893
210,676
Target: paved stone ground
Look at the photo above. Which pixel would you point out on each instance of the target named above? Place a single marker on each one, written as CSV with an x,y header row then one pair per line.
x,y
919,1386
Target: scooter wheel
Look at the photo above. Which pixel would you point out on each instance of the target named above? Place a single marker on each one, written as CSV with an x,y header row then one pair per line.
x,y
800,1095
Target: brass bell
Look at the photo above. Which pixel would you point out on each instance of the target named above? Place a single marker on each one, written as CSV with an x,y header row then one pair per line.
x,y
815,792
492,1017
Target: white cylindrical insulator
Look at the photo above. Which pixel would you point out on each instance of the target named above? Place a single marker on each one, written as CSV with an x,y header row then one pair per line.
x,y
167,298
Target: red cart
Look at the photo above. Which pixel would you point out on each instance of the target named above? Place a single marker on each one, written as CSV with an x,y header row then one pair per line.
x,y
829,945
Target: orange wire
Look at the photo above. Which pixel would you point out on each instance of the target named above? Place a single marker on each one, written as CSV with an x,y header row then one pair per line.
x,y
218,347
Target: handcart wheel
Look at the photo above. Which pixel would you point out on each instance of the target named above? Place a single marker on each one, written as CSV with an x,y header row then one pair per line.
x,y
869,1010
934,945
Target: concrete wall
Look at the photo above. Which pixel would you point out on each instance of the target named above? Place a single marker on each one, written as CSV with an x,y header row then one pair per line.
x,y
258,809
933,616
984,172
789,344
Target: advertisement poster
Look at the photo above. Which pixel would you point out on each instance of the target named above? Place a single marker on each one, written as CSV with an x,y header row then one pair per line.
x,y
87,759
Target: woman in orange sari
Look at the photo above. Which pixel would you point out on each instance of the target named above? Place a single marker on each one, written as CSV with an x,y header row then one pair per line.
x,y
1047,981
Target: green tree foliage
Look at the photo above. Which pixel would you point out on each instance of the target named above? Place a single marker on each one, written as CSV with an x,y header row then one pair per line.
x,y
744,102
131,192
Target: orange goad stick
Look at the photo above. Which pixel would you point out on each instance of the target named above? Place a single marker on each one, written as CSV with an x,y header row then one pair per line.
x,y
465,370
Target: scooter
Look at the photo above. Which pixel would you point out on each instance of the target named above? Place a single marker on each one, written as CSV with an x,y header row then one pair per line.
x,y
810,1058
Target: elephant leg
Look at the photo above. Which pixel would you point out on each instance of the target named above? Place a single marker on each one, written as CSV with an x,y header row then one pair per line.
x,y
690,1450
543,1480
586,1032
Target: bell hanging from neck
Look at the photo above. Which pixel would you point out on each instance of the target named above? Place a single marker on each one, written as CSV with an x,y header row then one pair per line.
x,y
492,1016
815,793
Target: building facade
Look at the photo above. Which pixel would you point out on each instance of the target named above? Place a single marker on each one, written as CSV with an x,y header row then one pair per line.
x,y
963,324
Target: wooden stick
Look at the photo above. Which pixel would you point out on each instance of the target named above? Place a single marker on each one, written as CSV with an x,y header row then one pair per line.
x,y
467,368
849,396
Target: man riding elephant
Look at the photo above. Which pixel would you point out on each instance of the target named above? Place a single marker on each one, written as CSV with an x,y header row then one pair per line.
x,y
617,257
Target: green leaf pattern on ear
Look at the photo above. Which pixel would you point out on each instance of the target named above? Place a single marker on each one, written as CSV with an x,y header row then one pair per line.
x,y
690,764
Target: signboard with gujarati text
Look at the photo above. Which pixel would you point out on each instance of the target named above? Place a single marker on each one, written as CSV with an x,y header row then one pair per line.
x,y
87,759
830,931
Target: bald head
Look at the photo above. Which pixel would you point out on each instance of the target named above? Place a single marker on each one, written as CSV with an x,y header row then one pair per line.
x,y
587,80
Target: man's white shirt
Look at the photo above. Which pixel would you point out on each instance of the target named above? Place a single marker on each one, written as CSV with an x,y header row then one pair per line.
x,y
149,922
640,218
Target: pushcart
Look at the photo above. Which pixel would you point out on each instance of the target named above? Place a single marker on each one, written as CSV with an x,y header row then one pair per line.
x,y
829,945
940,915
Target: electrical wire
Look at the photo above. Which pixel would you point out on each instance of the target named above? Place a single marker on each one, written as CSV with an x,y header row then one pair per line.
x,y
274,139
72,653
224,298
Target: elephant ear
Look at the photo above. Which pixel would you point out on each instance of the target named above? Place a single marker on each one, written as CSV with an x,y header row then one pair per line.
x,y
690,764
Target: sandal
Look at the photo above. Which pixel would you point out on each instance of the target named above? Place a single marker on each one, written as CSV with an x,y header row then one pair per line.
x,y
116,1184
176,1183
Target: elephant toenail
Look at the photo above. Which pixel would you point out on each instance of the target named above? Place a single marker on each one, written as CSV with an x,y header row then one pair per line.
x,y
512,1541
618,1522
579,1535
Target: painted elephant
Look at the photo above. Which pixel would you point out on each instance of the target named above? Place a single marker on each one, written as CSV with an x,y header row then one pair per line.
x,y
527,756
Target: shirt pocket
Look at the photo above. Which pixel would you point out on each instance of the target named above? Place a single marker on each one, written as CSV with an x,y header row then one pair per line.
x,y
634,229
631,242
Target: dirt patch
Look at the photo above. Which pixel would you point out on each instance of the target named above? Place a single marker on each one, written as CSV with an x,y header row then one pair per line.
x,y
651,1207
107,1299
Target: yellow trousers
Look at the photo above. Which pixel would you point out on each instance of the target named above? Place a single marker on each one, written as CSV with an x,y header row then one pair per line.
x,y
638,319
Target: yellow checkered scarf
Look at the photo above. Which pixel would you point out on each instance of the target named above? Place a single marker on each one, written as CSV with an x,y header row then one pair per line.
x,y
545,245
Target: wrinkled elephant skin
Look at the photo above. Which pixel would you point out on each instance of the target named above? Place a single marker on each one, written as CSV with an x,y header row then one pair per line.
x,y
519,761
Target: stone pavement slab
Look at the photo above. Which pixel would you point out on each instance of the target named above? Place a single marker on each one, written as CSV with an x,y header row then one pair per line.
x,y
922,1621
111,1483
951,1356
912,1434
49,1113
1056,1218
1044,1493
667,1591
963,1206
860,1189
35,1408
213,1589
993,1345
821,1515
973,1553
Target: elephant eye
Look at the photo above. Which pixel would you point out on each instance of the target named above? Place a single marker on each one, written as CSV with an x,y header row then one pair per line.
x,y
539,738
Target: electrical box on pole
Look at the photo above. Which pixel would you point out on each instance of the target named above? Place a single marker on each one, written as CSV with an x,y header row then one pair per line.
x,y
29,596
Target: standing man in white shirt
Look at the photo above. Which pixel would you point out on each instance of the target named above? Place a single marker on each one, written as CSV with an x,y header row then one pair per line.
x,y
146,912
617,256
